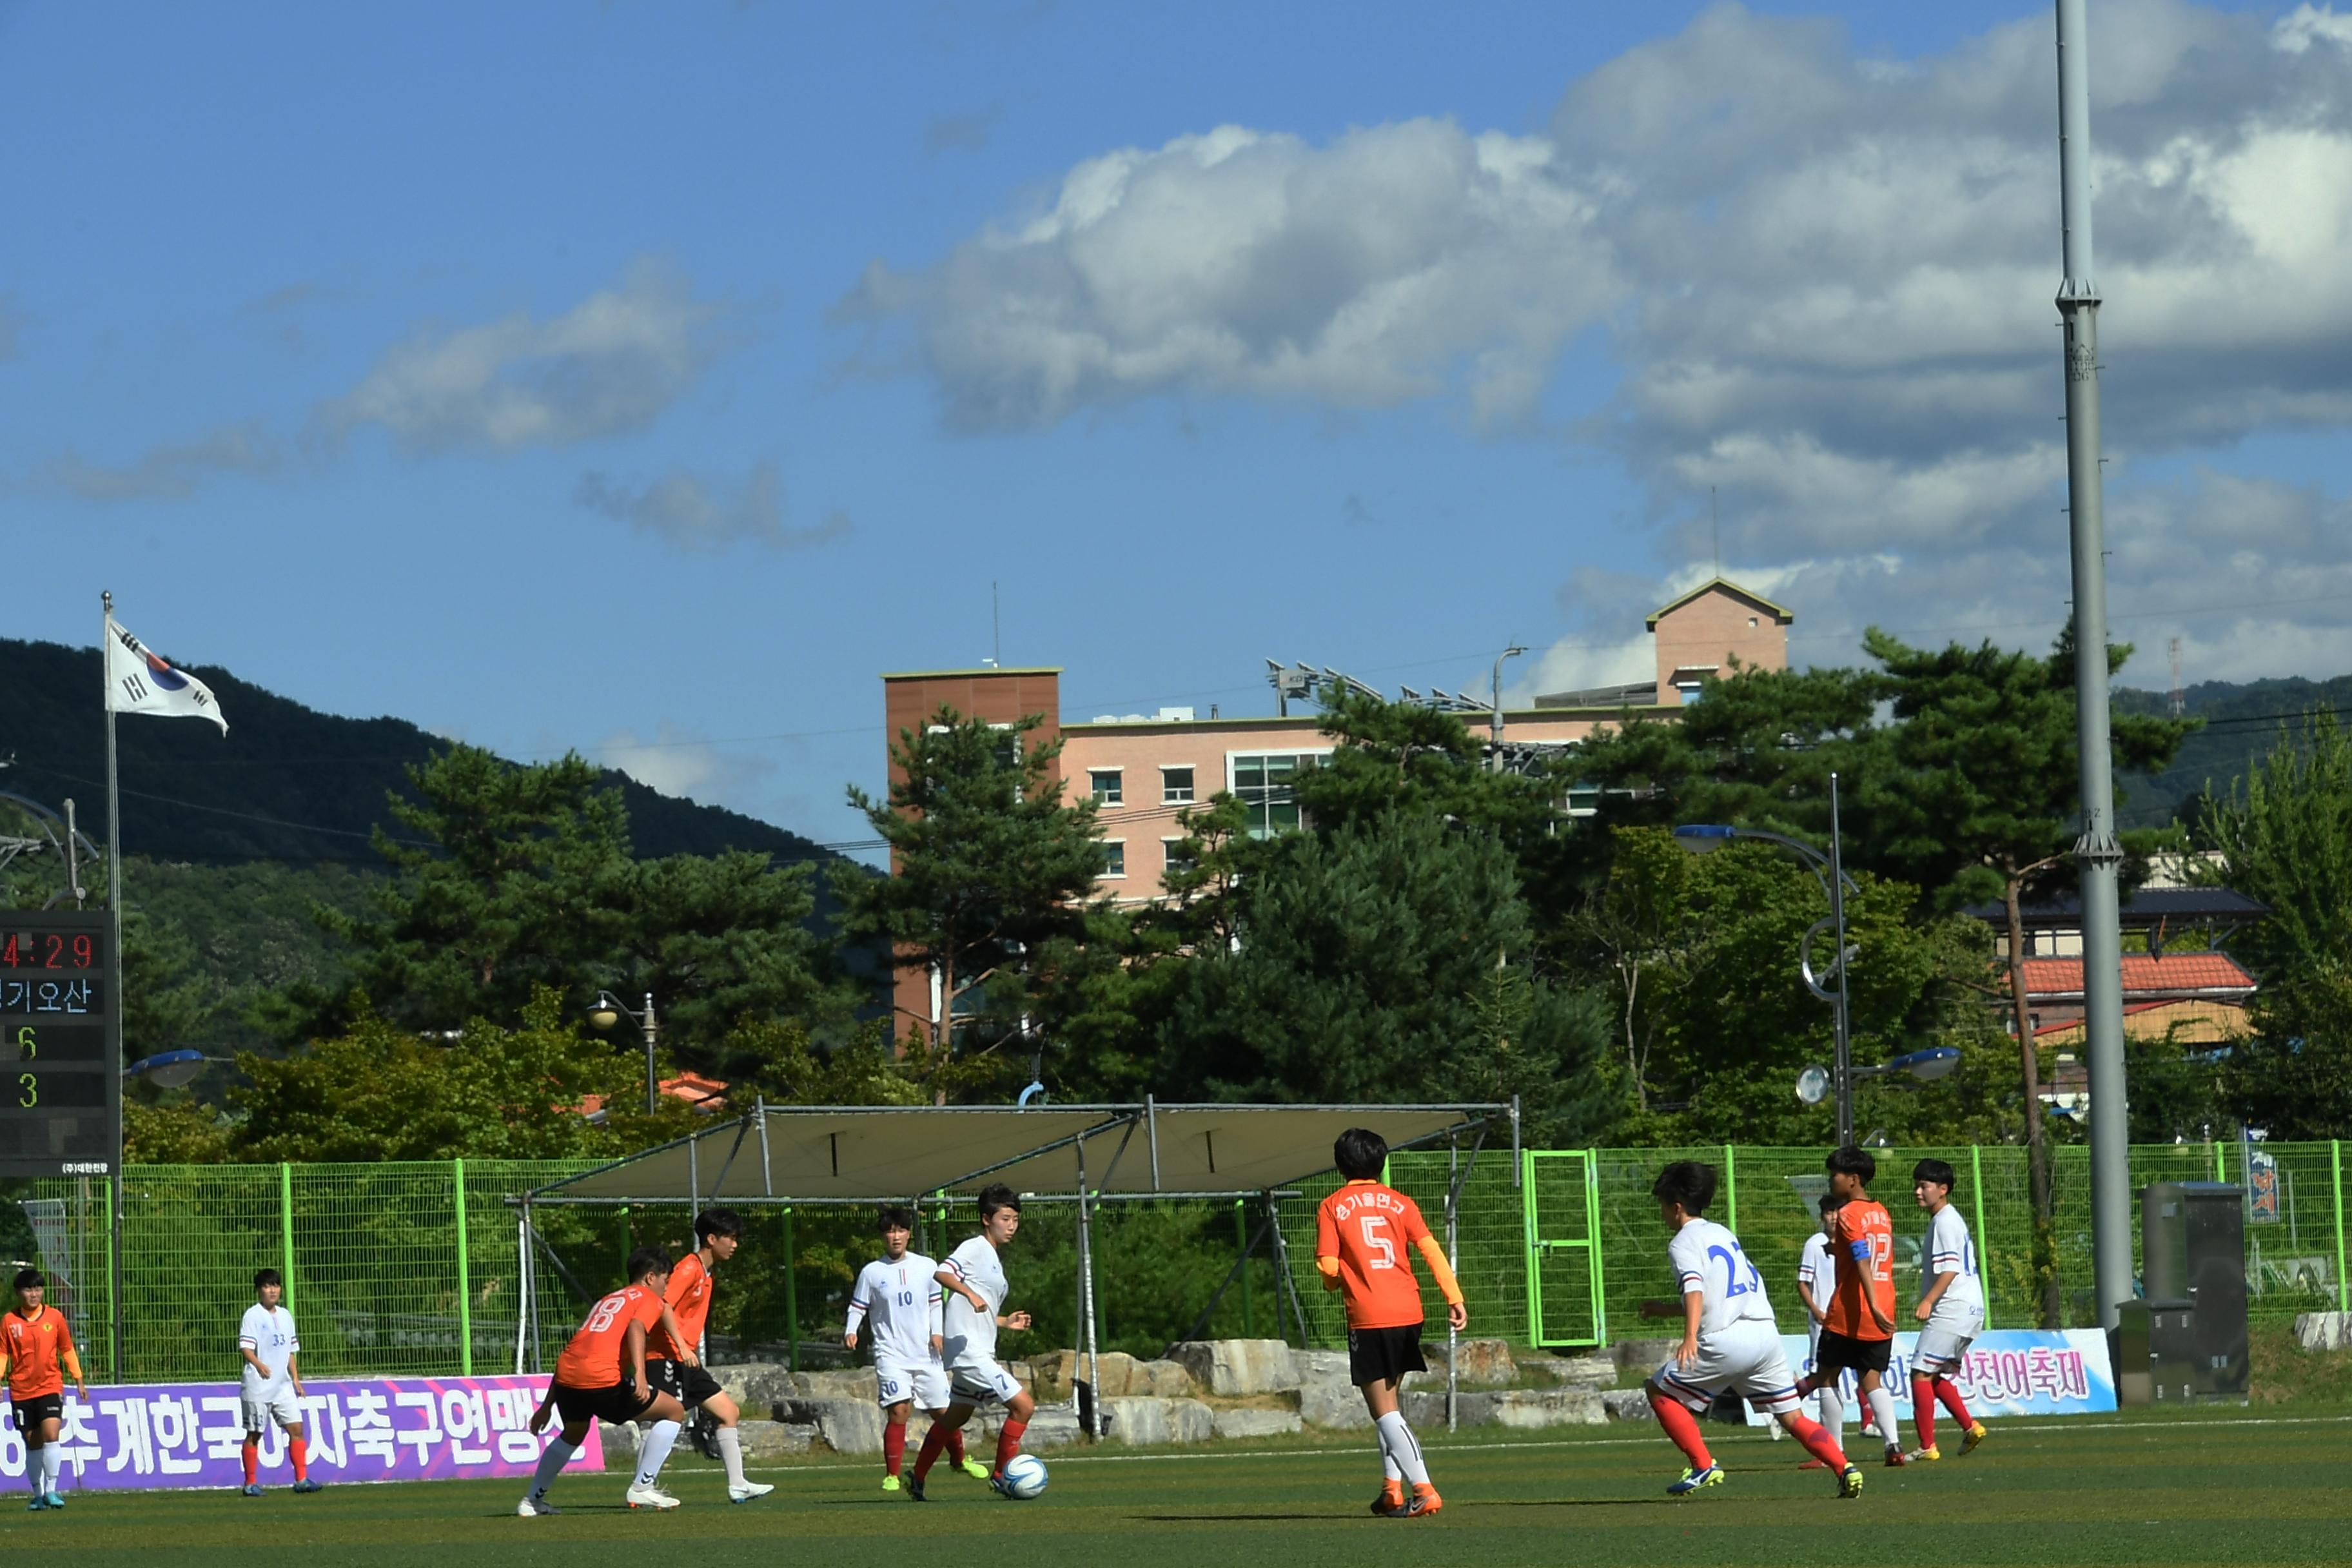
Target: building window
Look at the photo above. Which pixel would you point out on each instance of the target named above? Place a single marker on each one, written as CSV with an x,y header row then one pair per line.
x,y
1176,785
1262,784
1172,850
1107,785
1114,857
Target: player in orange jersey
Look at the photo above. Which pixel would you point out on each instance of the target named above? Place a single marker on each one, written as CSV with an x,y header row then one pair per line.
x,y
602,1376
1361,1235
1858,1330
674,1360
34,1343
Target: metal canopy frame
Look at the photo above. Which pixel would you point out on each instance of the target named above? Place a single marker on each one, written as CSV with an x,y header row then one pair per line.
x,y
1093,1123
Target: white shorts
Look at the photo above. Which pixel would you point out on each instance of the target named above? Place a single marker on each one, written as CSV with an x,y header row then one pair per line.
x,y
1745,1358
977,1382
924,1383
1943,1343
278,1405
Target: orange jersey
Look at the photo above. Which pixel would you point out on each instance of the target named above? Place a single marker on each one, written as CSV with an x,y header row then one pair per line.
x,y
1370,1229
689,1302
36,1348
592,1359
1861,1243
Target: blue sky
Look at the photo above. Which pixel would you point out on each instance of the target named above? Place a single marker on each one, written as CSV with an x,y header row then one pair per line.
x,y
644,379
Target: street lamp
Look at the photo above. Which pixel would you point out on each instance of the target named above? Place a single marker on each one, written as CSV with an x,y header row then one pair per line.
x,y
1495,762
170,1070
1702,837
605,1015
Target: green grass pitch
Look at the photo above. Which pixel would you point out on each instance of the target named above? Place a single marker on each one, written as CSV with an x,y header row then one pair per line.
x,y
2219,1488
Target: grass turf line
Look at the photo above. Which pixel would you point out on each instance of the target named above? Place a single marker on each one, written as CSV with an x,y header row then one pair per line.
x,y
2206,1490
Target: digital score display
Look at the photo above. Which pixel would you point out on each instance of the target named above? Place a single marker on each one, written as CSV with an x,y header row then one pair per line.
x,y
60,1044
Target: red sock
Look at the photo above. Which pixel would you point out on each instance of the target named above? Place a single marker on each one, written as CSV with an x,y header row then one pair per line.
x,y
1923,1410
933,1441
300,1452
1683,1429
1950,1392
1008,1443
955,1446
252,1463
1818,1440
893,1446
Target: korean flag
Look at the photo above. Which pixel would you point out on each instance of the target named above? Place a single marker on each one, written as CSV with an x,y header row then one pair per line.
x,y
138,680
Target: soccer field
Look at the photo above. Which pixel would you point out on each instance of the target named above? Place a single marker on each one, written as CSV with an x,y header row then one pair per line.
x,y
2219,1489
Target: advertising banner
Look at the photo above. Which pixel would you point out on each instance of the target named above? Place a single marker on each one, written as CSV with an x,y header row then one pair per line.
x,y
2008,1372
374,1429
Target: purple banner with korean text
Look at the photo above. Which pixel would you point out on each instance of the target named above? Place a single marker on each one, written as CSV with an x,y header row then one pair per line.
x,y
2007,1372
368,1429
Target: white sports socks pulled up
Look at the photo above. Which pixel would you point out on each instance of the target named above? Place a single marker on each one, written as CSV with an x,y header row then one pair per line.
x,y
53,1463
731,1452
1832,1405
1398,1443
655,1452
1882,1407
550,1464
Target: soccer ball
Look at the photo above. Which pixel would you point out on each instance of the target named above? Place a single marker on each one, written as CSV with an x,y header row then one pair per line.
x,y
1024,1478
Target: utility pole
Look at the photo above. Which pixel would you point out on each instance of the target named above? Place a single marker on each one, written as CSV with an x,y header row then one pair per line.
x,y
1494,724
2097,853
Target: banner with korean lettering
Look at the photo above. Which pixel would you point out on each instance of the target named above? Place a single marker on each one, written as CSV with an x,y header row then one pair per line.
x,y
2007,1372
387,1429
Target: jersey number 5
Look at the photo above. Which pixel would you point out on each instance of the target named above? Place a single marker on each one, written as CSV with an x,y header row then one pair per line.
x,y
1373,1225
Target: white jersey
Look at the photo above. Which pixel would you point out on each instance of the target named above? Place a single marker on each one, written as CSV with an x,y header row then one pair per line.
x,y
1950,1250
1706,1259
900,1304
1817,1271
268,1333
971,1335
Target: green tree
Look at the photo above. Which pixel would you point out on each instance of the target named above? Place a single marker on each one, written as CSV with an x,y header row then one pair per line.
x,y
992,875
2286,837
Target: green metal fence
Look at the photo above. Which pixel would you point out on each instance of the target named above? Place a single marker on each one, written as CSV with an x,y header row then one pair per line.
x,y
411,1268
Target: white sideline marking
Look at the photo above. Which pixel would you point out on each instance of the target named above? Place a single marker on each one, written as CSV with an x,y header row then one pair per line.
x,y
1652,1440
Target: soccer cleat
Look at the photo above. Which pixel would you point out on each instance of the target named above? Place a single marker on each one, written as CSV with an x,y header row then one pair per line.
x,y
1976,1434
55,1500
1927,1456
890,1483
1895,1460
749,1490
1693,1480
973,1468
40,1501
1391,1502
307,1485
1850,1483
650,1497
532,1507
996,1484
253,1488
915,1490
1424,1502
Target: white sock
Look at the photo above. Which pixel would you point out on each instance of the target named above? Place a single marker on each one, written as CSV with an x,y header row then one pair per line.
x,y
1881,1405
730,1451
53,1462
1832,1405
1398,1438
550,1464
655,1452
1390,1470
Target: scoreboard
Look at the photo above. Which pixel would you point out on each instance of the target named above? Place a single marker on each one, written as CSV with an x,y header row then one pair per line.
x,y
60,1044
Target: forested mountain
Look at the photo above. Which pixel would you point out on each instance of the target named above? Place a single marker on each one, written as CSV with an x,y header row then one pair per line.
x,y
287,782
2242,721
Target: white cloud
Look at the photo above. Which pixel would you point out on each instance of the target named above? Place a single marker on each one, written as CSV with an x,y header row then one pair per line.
x,y
2308,25
701,514
612,363
171,471
686,766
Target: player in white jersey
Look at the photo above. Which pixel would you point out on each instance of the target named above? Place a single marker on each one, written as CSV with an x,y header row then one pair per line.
x,y
898,1299
1951,1309
1729,1340
271,1384
1816,1286
974,1278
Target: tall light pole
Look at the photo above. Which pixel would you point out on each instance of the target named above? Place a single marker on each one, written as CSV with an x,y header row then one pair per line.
x,y
1495,757
607,1012
2097,853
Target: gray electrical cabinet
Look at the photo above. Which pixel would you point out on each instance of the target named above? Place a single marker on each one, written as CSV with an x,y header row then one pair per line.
x,y
2191,1326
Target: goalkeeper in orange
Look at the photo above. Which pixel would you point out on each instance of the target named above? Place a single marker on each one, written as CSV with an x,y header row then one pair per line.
x,y
1361,1232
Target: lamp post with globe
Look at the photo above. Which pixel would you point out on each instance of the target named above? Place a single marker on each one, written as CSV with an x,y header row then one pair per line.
x,y
607,1014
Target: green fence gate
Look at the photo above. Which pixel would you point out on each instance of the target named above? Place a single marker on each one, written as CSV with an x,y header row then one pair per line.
x,y
1562,1195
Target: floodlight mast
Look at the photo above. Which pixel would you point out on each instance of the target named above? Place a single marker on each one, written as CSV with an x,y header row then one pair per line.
x,y
2097,852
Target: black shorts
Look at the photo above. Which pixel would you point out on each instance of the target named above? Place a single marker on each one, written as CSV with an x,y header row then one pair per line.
x,y
1836,1351
616,1403
689,1386
1383,1355
31,1413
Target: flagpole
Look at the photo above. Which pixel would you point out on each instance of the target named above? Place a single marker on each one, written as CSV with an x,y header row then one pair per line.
x,y
114,978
